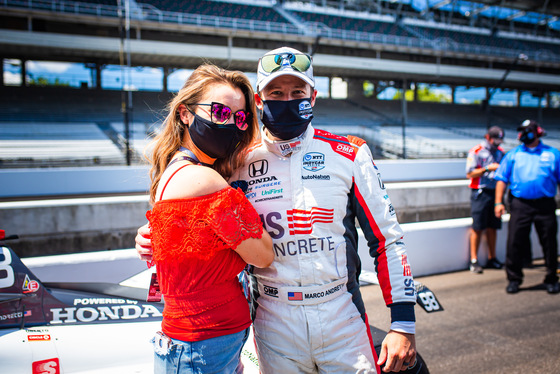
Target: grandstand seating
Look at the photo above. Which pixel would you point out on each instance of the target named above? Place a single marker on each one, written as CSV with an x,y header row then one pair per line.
x,y
55,144
49,144
432,129
98,8
219,9
44,104
61,126
441,35
462,37
409,28
459,115
353,24
101,2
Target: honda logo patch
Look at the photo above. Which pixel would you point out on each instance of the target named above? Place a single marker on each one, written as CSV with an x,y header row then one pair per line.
x,y
258,168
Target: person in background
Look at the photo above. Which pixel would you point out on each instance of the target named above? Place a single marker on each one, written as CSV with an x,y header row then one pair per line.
x,y
482,162
203,231
309,187
532,171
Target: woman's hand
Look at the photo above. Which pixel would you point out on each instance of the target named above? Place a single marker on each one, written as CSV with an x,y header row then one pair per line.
x,y
144,243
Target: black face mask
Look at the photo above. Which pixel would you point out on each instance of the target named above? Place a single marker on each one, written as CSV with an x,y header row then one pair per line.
x,y
493,146
287,119
217,141
527,137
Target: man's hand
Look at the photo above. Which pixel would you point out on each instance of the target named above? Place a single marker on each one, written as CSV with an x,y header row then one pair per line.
x,y
493,166
398,351
499,210
144,243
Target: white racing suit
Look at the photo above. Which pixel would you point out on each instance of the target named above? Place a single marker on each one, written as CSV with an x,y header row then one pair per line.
x,y
309,315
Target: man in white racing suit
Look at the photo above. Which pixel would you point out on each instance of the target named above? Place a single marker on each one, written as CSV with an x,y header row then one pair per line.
x,y
310,187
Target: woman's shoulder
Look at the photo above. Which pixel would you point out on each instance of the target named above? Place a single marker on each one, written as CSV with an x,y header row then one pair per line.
x,y
187,181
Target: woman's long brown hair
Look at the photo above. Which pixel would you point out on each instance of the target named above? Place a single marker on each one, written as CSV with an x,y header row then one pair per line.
x,y
168,141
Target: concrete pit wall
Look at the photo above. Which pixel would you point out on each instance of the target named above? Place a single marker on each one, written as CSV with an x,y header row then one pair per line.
x,y
48,227
37,204
57,226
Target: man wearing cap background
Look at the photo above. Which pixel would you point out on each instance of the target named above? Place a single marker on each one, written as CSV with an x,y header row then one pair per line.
x,y
310,187
532,170
482,162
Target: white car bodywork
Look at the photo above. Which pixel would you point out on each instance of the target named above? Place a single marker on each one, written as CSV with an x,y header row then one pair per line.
x,y
82,332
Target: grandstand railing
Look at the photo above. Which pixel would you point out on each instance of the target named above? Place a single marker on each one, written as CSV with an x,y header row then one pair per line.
x,y
441,44
147,12
100,10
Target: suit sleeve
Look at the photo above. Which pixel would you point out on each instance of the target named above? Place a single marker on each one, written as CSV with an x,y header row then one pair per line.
x,y
472,162
378,221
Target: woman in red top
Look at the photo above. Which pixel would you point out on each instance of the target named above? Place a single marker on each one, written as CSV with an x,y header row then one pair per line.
x,y
204,232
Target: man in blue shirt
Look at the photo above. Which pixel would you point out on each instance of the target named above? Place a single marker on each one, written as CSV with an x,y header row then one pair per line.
x,y
532,170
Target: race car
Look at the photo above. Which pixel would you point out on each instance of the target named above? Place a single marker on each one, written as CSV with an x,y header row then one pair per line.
x,y
94,327
72,327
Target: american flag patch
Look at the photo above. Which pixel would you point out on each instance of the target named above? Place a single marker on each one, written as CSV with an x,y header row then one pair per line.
x,y
301,221
296,296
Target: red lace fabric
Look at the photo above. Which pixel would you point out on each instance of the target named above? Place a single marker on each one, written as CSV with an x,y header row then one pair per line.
x,y
201,226
193,241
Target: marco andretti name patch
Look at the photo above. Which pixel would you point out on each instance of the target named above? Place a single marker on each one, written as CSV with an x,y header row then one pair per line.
x,y
304,295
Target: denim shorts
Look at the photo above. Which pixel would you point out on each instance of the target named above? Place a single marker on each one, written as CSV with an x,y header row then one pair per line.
x,y
215,355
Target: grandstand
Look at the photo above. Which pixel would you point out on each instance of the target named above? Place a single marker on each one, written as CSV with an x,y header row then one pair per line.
x,y
391,44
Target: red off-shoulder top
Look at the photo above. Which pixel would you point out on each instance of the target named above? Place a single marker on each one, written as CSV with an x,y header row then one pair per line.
x,y
193,241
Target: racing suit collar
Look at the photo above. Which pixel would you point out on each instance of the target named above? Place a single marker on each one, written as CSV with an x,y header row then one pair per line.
x,y
285,148
490,147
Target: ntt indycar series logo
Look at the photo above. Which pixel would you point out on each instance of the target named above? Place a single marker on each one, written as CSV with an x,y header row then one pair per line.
x,y
305,109
314,161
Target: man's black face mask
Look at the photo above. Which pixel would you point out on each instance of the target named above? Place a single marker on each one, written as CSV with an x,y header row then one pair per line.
x,y
286,120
